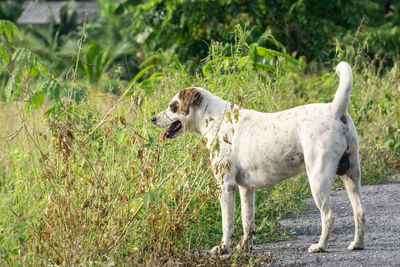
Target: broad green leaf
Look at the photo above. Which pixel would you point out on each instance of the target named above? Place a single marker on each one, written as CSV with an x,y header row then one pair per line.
x,y
149,60
4,60
268,53
157,74
37,99
264,67
177,63
8,29
242,62
137,77
148,82
140,74
253,55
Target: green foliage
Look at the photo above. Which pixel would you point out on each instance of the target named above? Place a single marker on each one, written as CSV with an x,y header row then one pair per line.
x,y
31,80
379,41
308,28
267,63
8,32
11,9
4,60
186,28
110,29
97,59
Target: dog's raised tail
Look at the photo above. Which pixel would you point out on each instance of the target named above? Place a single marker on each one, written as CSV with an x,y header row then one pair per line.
x,y
342,96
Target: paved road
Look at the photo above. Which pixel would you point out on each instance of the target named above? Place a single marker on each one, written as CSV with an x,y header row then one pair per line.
x,y
382,238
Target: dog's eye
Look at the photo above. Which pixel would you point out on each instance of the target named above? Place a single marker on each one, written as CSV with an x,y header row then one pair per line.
x,y
173,107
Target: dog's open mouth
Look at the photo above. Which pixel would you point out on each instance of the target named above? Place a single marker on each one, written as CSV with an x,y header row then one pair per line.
x,y
172,130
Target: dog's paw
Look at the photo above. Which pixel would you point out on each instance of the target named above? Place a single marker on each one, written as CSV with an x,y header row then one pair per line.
x,y
219,250
315,248
244,246
355,246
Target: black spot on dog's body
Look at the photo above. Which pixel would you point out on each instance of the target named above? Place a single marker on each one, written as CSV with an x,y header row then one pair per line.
x,y
343,119
344,164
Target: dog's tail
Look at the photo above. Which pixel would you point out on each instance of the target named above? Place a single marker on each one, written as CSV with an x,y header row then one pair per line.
x,y
342,96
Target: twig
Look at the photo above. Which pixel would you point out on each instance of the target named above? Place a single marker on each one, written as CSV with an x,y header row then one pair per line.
x,y
13,135
145,139
80,60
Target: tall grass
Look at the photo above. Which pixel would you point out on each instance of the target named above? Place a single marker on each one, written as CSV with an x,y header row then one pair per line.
x,y
99,187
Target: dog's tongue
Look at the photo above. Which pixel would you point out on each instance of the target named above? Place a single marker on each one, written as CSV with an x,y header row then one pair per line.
x,y
165,134
167,131
172,127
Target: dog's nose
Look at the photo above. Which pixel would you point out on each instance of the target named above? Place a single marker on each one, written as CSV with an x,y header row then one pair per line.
x,y
153,119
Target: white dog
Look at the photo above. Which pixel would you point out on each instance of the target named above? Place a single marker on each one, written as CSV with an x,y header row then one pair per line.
x,y
251,150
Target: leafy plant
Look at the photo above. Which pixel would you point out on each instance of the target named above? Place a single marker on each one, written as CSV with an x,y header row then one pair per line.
x,y
31,80
191,26
8,32
98,58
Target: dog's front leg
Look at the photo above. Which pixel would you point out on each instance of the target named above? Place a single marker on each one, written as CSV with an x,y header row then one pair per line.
x,y
247,206
227,200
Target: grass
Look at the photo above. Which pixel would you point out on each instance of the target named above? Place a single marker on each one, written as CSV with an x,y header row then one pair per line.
x,y
99,187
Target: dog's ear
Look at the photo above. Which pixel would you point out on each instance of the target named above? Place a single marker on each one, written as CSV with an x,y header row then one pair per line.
x,y
189,97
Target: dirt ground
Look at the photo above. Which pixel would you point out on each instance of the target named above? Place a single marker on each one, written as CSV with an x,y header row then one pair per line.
x,y
382,234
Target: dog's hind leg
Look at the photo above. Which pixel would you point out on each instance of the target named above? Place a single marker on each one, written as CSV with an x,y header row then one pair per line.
x,y
247,206
352,181
321,175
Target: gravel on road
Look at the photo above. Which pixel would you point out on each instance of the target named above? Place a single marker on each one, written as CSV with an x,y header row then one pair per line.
x,y
382,233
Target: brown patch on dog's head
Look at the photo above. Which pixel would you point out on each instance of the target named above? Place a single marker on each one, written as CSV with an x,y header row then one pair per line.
x,y
175,107
188,97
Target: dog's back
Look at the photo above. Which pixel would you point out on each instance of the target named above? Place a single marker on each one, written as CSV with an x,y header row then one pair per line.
x,y
271,144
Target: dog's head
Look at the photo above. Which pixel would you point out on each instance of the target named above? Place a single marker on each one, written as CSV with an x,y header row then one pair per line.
x,y
179,114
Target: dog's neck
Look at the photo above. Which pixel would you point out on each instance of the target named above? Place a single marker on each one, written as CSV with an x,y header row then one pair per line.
x,y
210,115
